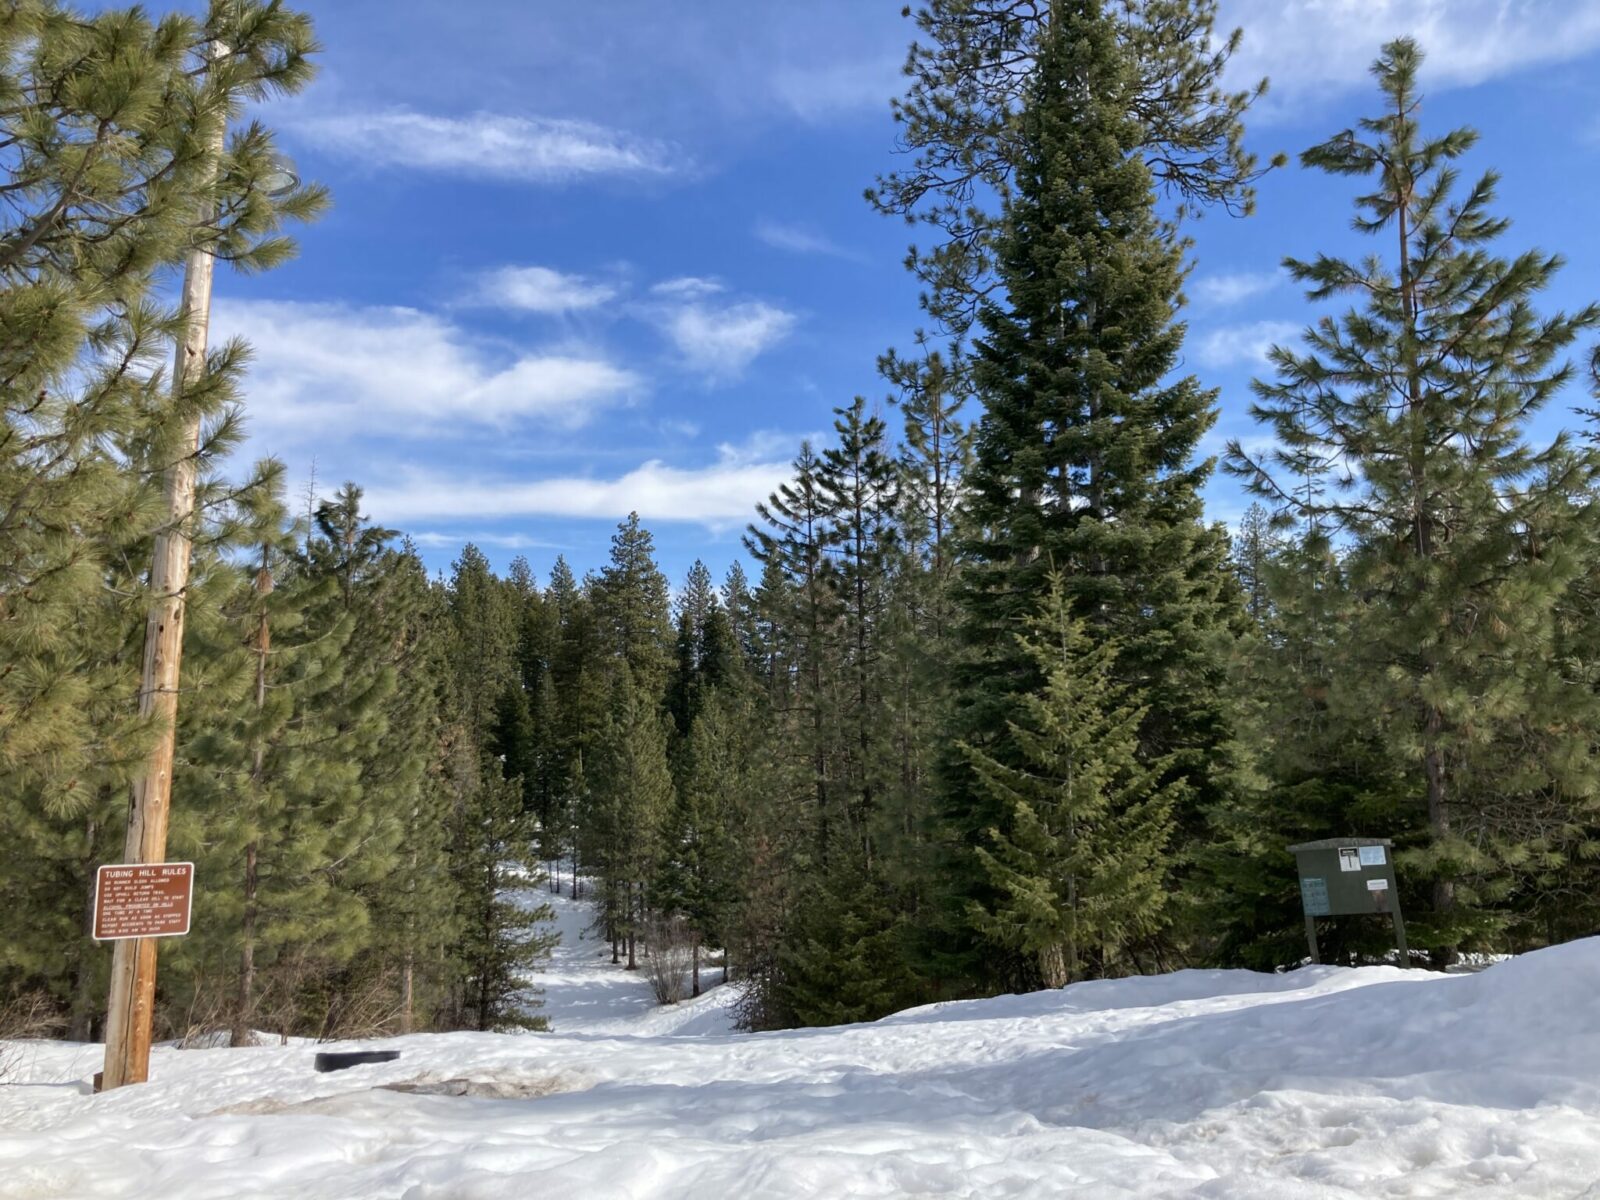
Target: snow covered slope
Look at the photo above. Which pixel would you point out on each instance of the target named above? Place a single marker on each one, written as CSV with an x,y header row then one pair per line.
x,y
585,993
1321,1083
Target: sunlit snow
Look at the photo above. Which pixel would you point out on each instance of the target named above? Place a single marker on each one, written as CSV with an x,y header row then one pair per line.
x,y
1323,1082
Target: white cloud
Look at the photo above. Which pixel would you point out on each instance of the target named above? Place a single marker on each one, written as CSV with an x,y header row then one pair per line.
x,y
324,370
1321,46
487,145
1234,287
1236,344
687,287
723,493
722,340
832,85
539,290
497,541
799,239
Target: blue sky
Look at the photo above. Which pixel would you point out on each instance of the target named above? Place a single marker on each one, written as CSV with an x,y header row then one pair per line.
x,y
585,259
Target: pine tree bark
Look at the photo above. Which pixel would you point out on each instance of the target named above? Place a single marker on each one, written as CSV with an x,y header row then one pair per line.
x,y
408,991
1053,965
240,1035
633,964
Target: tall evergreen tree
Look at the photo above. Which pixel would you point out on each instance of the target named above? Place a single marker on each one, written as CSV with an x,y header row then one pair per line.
x,y
632,797
633,607
860,488
800,612
972,72
1463,535
1084,458
107,172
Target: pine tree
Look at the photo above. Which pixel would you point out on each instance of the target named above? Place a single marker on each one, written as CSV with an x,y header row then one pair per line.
x,y
107,170
975,68
632,798
1253,550
1463,537
1321,770
1079,858
860,488
485,658
632,607
500,938
739,603
800,612
412,918
689,677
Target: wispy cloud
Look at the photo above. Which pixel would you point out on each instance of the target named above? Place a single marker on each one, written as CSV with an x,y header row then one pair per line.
x,y
1234,287
1239,344
1327,46
721,341
721,493
800,239
488,145
337,368
687,287
538,290
832,85
435,540
715,337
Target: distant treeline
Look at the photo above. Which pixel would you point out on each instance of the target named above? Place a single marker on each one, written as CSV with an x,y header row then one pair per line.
x,y
997,708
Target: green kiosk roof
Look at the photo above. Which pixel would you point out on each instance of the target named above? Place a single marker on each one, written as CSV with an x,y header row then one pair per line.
x,y
1335,843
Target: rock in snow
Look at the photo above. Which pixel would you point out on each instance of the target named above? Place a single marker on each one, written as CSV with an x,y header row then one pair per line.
x,y
1324,1082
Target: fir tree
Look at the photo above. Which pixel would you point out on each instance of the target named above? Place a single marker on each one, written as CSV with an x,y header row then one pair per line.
x,y
800,611
1078,861
633,608
632,798
485,658
860,488
1084,458
500,938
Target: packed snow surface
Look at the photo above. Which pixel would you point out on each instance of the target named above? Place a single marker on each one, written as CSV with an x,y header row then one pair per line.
x,y
1323,1082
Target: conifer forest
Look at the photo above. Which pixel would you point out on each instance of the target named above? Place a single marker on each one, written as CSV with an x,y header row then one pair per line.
x,y
984,703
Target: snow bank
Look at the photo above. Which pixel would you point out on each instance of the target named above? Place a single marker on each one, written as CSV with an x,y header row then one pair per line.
x,y
1324,1082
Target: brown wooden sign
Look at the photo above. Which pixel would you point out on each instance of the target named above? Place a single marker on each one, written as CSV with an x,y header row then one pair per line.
x,y
140,900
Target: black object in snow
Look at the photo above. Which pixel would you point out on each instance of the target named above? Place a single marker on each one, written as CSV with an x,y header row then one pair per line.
x,y
339,1060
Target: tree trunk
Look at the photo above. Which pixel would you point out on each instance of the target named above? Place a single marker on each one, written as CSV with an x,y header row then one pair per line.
x,y
696,963
633,963
82,1021
247,955
1053,965
407,991
1444,887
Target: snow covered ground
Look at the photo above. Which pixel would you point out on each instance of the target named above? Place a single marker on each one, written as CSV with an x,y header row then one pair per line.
x,y
585,993
1324,1082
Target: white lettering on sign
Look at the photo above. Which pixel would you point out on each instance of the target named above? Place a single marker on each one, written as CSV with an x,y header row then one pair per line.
x,y
1373,856
1377,885
1349,860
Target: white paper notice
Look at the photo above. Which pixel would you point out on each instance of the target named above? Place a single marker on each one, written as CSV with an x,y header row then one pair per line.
x,y
1372,856
1377,885
1349,860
